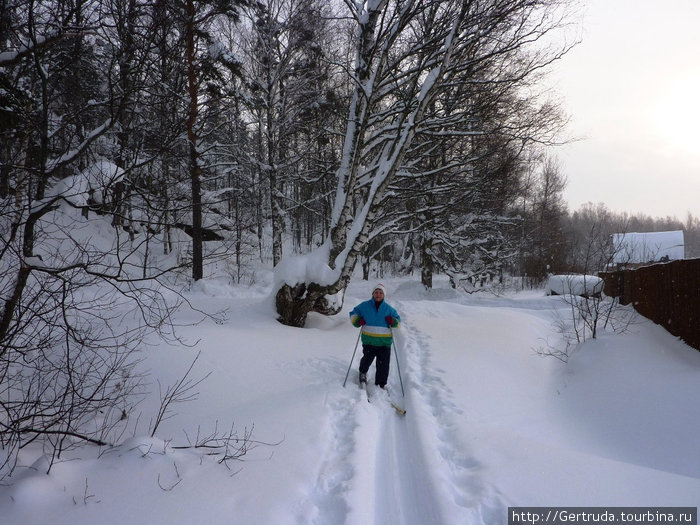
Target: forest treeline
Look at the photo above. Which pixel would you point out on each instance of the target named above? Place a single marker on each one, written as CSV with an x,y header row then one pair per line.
x,y
226,120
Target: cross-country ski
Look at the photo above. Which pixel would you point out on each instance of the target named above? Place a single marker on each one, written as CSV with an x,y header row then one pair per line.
x,y
380,396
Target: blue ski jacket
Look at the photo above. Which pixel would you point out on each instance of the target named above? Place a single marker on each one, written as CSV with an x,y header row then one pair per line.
x,y
377,331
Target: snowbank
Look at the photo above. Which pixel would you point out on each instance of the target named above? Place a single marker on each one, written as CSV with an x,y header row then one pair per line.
x,y
490,423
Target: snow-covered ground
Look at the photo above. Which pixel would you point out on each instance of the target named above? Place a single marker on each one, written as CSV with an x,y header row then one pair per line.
x,y
490,423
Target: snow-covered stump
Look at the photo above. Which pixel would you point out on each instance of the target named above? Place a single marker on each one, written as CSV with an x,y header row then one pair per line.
x,y
293,303
306,284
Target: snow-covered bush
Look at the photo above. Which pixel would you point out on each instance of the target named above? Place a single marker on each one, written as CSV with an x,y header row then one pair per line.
x,y
590,311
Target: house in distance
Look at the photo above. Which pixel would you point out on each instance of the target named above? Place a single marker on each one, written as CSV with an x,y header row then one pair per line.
x,y
634,249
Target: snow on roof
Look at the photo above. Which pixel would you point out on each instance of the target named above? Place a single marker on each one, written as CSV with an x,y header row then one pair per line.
x,y
648,247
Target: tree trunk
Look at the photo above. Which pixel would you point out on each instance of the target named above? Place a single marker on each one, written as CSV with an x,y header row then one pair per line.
x,y
426,273
276,204
195,170
294,303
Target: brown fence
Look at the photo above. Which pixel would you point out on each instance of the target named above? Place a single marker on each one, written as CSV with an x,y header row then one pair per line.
x,y
668,294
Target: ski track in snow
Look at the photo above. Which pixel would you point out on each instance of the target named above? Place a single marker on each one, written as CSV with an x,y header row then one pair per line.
x,y
336,470
382,468
451,464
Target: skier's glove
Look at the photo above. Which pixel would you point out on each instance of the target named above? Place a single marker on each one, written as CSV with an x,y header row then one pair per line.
x,y
361,321
390,321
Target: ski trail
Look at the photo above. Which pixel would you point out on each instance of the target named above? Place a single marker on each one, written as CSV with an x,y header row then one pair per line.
x,y
371,470
405,492
455,474
395,480
390,485
381,468
328,496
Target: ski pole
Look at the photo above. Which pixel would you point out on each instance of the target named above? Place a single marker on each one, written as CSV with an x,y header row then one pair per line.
x,y
398,368
352,358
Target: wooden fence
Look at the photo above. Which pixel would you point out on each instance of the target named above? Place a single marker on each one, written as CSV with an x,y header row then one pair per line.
x,y
668,294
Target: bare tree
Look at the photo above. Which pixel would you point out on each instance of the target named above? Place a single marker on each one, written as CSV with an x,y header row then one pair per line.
x,y
544,215
590,311
286,74
405,54
76,305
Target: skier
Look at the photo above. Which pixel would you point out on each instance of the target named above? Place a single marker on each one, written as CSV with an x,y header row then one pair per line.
x,y
376,318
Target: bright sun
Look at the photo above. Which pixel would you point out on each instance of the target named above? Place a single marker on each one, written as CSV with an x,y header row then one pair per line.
x,y
676,115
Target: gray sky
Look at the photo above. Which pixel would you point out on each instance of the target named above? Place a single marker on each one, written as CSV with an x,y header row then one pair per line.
x,y
632,89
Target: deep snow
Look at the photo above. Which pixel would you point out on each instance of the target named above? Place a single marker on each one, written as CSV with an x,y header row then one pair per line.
x,y
490,423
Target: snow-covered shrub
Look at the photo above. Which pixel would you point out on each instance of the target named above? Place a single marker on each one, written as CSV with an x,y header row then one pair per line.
x,y
590,311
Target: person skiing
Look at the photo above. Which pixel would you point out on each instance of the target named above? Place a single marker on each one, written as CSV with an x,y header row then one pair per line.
x,y
376,318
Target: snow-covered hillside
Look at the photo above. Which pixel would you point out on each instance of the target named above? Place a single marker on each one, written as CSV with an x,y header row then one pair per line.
x,y
490,423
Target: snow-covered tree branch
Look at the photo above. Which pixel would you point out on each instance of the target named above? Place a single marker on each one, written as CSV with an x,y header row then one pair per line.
x,y
406,55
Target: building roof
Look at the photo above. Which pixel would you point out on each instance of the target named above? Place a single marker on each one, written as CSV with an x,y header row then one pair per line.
x,y
648,247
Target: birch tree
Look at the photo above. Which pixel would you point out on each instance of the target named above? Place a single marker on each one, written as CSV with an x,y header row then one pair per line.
x,y
405,53
284,72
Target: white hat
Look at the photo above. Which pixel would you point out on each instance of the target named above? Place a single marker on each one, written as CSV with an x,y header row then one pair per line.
x,y
381,287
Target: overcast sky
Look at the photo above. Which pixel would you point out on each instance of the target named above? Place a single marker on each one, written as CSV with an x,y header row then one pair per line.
x,y
632,89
